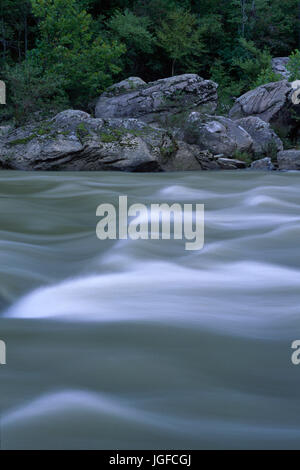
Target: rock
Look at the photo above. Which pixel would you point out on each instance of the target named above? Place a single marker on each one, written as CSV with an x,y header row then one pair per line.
x,y
5,130
75,141
230,164
161,101
265,140
264,164
271,102
279,66
131,83
217,134
207,160
184,159
289,160
189,157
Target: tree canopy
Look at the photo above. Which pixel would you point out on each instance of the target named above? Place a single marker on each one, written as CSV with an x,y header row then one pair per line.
x,y
83,46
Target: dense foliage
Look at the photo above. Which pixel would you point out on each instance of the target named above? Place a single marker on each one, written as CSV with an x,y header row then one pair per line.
x,y
57,53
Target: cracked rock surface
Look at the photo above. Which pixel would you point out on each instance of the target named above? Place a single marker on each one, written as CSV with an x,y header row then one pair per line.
x,y
158,101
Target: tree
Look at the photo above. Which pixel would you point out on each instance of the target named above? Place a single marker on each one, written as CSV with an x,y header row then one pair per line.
x,y
255,66
179,36
70,48
15,28
134,32
293,65
31,93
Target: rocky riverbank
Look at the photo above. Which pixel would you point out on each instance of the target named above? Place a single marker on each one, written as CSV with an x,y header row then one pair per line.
x,y
168,125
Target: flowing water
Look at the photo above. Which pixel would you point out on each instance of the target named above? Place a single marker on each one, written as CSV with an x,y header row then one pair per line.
x,y
141,344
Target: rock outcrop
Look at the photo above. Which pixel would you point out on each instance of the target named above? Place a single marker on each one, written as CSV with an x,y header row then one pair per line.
x,y
217,134
265,140
289,160
264,164
271,102
162,126
75,141
159,101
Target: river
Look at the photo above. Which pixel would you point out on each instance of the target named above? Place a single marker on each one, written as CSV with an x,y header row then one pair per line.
x,y
124,344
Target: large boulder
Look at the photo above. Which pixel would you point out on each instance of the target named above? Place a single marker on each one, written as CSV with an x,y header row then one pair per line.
x,y
131,83
189,157
265,140
160,101
217,134
289,160
275,103
75,141
184,158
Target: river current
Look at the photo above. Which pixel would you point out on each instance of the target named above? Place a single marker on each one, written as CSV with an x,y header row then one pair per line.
x,y
124,344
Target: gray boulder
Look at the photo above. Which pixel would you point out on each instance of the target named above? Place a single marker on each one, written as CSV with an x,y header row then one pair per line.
x,y
189,157
264,164
75,141
184,158
265,140
160,101
289,160
207,160
271,102
217,134
230,164
279,66
130,84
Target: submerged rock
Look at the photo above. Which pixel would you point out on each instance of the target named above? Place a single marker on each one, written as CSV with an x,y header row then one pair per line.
x,y
158,101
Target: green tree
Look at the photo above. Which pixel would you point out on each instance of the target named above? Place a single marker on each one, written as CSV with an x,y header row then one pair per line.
x,y
70,48
31,93
178,35
293,65
254,66
15,28
133,31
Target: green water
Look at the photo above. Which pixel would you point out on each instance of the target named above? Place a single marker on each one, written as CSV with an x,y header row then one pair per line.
x,y
141,344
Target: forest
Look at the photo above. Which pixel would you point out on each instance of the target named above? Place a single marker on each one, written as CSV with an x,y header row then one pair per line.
x,y
63,53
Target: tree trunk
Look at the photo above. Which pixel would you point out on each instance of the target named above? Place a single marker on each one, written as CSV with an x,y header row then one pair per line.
x,y
173,67
299,24
25,34
244,18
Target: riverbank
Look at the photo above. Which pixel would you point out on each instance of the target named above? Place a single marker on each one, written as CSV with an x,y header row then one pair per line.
x,y
168,125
